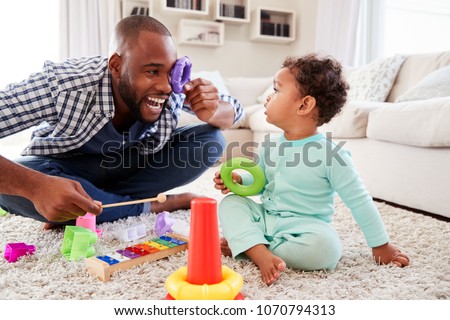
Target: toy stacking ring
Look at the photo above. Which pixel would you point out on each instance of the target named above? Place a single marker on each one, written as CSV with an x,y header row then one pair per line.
x,y
180,74
259,178
180,289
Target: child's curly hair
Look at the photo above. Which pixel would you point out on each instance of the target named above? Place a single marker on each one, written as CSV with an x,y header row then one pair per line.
x,y
321,78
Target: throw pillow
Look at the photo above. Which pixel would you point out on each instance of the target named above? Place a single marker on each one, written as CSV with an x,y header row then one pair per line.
x,y
215,77
247,89
262,98
436,84
373,81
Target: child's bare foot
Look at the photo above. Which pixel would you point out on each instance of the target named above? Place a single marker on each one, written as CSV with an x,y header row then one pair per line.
x,y
224,248
270,265
175,202
51,226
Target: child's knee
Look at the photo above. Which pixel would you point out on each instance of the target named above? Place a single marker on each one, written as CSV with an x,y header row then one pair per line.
x,y
231,203
314,260
321,254
229,210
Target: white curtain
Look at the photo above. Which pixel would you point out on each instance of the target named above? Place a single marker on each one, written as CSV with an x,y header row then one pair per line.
x,y
86,26
350,30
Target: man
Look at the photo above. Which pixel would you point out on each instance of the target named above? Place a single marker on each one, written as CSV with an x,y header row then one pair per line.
x,y
106,131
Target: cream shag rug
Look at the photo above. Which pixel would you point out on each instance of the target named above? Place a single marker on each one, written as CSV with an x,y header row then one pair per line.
x,y
48,275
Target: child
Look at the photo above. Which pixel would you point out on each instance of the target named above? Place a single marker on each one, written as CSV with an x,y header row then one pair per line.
x,y
292,224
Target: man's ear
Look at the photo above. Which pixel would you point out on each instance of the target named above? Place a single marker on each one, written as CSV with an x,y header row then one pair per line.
x,y
114,64
307,105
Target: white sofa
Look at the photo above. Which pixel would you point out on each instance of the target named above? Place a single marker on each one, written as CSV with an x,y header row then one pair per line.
x,y
401,149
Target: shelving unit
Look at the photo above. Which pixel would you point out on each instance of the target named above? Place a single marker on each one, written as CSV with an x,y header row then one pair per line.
x,y
232,11
191,7
200,32
136,7
273,25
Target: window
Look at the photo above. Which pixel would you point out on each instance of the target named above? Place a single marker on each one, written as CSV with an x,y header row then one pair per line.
x,y
29,36
416,26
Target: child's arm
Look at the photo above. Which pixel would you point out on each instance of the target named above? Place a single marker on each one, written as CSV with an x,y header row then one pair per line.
x,y
388,253
346,181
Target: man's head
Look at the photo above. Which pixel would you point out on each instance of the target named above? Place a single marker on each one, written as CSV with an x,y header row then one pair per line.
x,y
142,54
128,29
321,78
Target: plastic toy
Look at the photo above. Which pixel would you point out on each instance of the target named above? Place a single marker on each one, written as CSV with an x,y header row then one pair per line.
x,y
104,266
132,233
166,224
181,227
88,221
78,243
13,251
163,223
259,178
3,212
180,74
204,278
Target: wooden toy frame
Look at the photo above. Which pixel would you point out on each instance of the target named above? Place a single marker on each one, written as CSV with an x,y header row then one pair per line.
x,y
103,270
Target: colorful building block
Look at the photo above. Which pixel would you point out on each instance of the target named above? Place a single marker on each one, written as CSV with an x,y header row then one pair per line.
x,y
132,233
13,251
3,212
89,221
78,243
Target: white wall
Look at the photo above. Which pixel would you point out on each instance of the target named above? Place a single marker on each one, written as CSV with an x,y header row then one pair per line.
x,y
239,56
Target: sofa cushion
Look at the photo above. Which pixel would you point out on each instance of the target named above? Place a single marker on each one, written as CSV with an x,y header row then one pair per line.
x,y
215,77
247,89
373,81
263,96
436,84
351,122
414,69
257,122
421,123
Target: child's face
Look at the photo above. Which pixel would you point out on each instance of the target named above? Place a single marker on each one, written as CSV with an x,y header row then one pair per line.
x,y
282,104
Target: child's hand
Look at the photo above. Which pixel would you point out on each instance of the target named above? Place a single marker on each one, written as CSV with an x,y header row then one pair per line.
x,y
388,253
219,185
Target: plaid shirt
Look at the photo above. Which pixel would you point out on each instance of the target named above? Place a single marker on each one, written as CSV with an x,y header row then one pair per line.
x,y
70,102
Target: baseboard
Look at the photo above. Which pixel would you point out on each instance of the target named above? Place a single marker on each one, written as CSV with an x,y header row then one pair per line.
x,y
426,213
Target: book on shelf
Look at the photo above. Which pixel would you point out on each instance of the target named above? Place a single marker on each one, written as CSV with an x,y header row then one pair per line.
x,y
140,11
232,11
275,29
185,4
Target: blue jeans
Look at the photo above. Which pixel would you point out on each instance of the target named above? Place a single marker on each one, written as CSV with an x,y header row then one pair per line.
x,y
128,175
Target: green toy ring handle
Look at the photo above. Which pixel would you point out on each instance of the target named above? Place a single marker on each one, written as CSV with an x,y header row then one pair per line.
x,y
248,165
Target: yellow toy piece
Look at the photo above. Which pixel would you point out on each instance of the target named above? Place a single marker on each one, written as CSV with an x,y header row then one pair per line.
x,y
227,289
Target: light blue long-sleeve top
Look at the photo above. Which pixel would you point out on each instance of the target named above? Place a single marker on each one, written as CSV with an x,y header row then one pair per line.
x,y
303,177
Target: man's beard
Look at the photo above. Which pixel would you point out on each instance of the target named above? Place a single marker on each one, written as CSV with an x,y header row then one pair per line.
x,y
127,94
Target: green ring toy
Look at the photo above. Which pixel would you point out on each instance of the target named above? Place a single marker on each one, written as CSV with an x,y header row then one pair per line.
x,y
248,165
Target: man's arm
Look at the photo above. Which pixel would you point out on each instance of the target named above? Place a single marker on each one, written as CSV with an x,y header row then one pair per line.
x,y
204,100
55,198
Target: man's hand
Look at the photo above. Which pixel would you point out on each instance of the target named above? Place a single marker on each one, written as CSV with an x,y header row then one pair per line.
x,y
203,97
60,199
388,253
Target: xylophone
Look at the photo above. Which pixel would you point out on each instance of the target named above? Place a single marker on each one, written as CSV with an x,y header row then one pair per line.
x,y
154,249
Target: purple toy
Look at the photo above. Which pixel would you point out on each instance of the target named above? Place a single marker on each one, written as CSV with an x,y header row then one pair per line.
x,y
14,251
163,223
180,74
